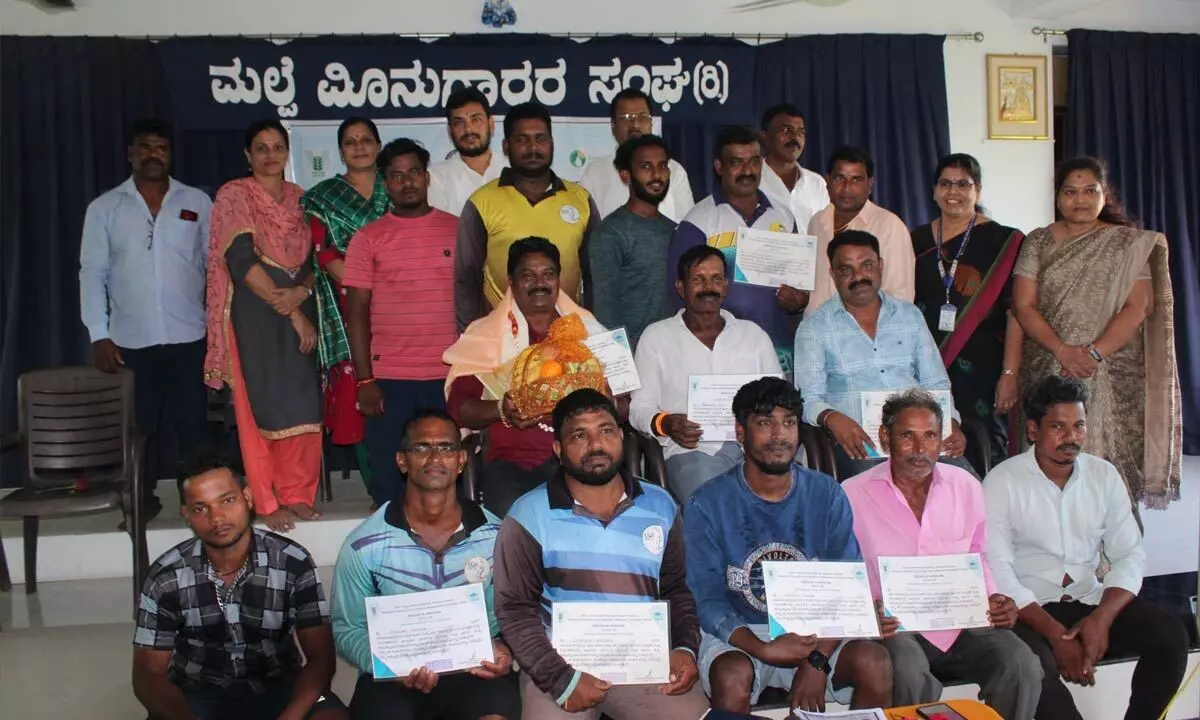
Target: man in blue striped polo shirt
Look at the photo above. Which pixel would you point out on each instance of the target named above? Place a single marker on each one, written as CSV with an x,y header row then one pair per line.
x,y
593,533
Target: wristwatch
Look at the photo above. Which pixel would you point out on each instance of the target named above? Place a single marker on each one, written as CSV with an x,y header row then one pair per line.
x,y
818,660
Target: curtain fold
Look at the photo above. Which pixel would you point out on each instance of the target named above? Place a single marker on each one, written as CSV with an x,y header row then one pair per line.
x,y
1134,101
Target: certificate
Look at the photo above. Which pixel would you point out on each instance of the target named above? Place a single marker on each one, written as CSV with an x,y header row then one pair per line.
x,y
443,630
710,404
774,258
851,715
826,599
935,592
613,351
623,643
872,415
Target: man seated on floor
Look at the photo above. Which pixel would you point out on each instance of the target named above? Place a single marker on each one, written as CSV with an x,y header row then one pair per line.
x,y
864,340
429,538
520,452
701,339
1052,513
221,616
593,533
913,505
770,508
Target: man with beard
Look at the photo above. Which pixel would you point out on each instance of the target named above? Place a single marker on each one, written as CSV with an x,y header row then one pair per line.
x,y
739,203
783,179
913,506
632,117
864,340
470,125
142,267
232,624
701,339
527,200
850,180
593,533
628,253
397,273
1054,514
771,508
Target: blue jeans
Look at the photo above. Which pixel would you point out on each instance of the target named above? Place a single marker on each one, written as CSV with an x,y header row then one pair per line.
x,y
240,702
401,400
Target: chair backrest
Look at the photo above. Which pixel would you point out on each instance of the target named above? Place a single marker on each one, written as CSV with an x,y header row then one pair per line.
x,y
75,422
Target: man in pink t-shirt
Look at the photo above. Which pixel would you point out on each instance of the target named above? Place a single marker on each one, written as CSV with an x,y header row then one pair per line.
x,y
913,506
400,281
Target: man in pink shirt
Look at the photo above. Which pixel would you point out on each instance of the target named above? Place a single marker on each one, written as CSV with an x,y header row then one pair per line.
x,y
913,506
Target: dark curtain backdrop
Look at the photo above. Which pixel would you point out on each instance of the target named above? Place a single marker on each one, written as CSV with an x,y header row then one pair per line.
x,y
1135,102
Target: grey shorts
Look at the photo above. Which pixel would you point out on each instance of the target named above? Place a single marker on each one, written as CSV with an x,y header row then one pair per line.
x,y
765,676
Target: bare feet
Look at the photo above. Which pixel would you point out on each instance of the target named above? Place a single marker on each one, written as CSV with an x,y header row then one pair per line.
x,y
302,511
281,520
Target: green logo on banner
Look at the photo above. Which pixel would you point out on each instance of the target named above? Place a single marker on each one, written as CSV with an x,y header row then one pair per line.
x,y
318,164
578,159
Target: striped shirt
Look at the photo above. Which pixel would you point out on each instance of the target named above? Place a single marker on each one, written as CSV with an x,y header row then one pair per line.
x,y
408,265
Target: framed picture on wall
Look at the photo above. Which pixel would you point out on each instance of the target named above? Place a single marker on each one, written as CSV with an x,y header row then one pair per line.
x,y
1018,97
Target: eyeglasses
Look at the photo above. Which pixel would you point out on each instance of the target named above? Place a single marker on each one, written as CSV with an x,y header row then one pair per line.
x,y
421,449
963,185
640,118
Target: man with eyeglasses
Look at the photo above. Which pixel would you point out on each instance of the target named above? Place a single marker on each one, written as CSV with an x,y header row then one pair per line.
x,y
851,178
783,179
428,539
632,116
141,288
470,125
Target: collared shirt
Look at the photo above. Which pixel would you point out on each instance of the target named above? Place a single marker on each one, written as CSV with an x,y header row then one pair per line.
x,y
895,248
836,361
142,277
668,354
953,523
385,556
806,198
452,181
250,638
1044,543
603,181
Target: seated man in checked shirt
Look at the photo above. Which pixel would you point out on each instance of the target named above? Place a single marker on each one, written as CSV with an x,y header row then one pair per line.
x,y
221,616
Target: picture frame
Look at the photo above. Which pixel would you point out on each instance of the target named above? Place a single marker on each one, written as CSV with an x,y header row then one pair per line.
x,y
1018,97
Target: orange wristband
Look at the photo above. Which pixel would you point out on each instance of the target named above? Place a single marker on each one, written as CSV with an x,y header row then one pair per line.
x,y
658,421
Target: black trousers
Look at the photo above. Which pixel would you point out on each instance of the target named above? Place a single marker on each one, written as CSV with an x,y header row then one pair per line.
x,y
1144,629
169,392
504,483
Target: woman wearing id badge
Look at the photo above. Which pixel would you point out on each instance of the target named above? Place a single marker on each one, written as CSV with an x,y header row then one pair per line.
x,y
964,283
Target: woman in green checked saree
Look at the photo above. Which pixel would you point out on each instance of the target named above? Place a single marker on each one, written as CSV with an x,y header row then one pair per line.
x,y
337,208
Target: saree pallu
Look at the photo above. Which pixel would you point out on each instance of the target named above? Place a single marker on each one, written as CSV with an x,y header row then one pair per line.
x,y
1134,411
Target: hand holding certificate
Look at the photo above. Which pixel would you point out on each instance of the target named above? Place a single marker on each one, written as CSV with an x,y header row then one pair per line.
x,y
774,258
613,351
935,592
710,404
443,630
622,643
826,599
872,415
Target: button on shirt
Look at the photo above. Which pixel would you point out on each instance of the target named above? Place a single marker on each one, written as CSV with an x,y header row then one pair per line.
x,y
806,198
142,277
451,182
1039,535
601,179
895,247
668,354
953,523
836,361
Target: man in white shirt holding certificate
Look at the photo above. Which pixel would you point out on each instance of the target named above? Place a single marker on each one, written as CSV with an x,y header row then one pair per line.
x,y
1052,512
701,339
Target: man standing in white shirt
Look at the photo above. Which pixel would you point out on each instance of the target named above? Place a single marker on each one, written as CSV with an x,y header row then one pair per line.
x,y
142,269
632,116
701,339
1051,512
851,178
470,125
783,180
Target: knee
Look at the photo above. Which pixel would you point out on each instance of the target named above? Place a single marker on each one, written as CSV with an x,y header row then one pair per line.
x,y
1024,665
871,666
1165,637
731,678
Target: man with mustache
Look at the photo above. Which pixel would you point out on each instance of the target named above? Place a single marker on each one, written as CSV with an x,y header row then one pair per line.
x,y
771,508
701,339
1054,514
739,203
594,533
783,179
470,125
142,266
629,250
851,180
528,199
429,538
632,117
864,340
913,505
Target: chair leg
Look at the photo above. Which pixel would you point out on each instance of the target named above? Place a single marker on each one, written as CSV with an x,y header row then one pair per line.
x,y
31,535
325,480
5,578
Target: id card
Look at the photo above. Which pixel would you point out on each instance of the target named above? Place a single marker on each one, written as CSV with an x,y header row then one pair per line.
x,y
946,318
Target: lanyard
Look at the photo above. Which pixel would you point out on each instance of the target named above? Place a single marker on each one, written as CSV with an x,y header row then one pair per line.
x,y
948,276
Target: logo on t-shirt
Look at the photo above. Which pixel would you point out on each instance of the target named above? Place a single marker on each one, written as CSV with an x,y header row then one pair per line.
x,y
652,538
748,579
477,569
569,214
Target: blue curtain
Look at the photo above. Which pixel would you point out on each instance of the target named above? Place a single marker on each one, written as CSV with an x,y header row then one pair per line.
x,y
1135,102
886,93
